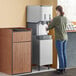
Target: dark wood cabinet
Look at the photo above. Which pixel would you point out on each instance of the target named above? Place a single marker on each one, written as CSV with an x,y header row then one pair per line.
x,y
15,51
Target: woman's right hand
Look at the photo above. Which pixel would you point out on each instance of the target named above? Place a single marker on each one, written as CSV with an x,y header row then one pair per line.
x,y
47,29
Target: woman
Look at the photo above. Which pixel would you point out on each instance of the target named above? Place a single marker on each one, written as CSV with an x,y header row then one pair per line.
x,y
59,23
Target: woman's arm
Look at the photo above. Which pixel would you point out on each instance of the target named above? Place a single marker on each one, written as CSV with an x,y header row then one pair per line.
x,y
52,24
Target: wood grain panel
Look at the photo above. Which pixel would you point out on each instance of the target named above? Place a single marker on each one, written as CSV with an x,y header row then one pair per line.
x,y
21,36
21,57
28,36
6,51
54,3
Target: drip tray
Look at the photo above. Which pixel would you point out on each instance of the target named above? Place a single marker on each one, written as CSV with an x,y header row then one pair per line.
x,y
44,37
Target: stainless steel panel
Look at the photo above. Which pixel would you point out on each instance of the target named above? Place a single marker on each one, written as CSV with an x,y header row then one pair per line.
x,y
33,14
35,50
46,52
33,26
42,51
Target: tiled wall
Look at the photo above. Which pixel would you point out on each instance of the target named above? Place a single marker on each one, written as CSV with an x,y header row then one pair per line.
x,y
71,50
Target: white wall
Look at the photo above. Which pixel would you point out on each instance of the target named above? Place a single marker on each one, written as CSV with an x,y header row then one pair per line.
x,y
69,8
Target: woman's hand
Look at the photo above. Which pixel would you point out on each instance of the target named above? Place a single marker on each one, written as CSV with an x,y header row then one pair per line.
x,y
47,29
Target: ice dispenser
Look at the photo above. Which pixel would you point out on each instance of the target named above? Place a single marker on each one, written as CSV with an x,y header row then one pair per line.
x,y
38,18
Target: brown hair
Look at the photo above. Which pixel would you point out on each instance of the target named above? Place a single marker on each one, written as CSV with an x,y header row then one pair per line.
x,y
60,9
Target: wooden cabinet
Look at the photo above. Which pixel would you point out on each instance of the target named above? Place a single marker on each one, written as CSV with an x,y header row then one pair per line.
x,y
21,57
15,51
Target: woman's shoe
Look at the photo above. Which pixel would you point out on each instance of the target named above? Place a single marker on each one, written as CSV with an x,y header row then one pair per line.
x,y
60,71
64,70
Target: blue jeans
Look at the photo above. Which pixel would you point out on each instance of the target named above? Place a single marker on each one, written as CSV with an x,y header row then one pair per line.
x,y
61,50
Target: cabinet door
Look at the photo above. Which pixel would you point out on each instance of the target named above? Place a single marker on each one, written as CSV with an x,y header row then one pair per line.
x,y
46,52
21,57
